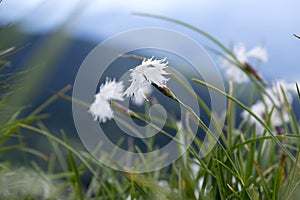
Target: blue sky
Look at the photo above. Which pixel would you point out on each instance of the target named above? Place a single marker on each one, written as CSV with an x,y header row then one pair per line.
x,y
270,23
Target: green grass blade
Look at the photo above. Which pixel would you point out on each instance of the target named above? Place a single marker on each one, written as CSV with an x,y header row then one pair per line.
x,y
50,100
294,122
298,90
249,165
289,154
62,143
208,36
74,169
56,150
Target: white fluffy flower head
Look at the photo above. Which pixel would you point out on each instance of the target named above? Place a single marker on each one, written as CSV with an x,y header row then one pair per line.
x,y
100,108
243,55
150,71
141,95
262,111
276,94
275,98
232,71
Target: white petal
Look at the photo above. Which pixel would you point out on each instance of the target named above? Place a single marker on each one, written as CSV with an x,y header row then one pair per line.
x,y
101,110
135,86
276,94
276,119
141,94
258,109
112,90
155,75
237,75
150,71
258,52
240,52
232,71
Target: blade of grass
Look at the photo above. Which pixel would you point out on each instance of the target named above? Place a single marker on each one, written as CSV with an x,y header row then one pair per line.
x,y
132,193
230,117
203,125
208,36
253,140
57,151
252,114
74,169
294,122
264,182
250,157
11,148
36,153
50,100
293,175
294,189
62,143
298,90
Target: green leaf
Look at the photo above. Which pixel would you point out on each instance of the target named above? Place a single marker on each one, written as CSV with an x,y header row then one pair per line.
x,y
74,169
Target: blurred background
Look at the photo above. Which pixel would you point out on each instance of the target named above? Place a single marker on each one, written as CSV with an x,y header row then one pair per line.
x,y
252,22
54,37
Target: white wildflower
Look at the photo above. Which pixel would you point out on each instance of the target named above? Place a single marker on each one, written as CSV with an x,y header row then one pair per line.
x,y
274,98
100,108
240,52
258,109
163,183
232,71
150,71
276,94
259,53
263,111
141,95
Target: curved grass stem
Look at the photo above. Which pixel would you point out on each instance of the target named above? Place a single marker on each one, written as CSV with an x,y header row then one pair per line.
x,y
252,114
